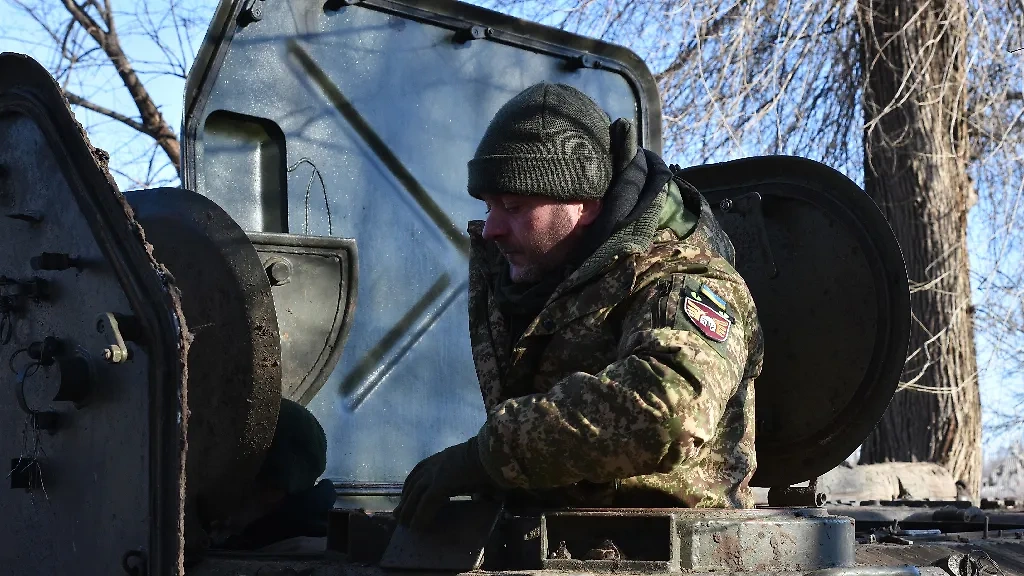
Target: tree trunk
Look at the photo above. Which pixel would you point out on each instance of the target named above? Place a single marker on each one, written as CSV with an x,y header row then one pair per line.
x,y
915,156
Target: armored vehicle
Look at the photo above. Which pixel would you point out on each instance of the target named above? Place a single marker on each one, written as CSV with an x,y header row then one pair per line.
x,y
316,252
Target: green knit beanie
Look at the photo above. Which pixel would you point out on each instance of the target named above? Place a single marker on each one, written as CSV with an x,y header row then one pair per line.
x,y
549,140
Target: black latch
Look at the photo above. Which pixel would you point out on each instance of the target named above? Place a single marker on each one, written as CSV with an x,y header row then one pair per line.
x,y
54,261
802,496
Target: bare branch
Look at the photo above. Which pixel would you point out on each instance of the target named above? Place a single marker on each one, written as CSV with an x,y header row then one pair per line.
x,y
79,101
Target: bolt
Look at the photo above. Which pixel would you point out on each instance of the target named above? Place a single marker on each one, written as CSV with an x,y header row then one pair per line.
x,y
725,205
279,272
115,354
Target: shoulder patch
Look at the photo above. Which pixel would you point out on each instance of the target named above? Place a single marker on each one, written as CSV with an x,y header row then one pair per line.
x,y
715,299
711,323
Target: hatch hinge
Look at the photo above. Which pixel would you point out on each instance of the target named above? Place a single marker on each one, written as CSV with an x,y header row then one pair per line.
x,y
586,61
471,33
749,206
252,11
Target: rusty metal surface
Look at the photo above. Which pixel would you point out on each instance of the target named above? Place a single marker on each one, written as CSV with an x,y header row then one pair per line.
x,y
314,282
103,484
763,540
647,541
784,542
235,356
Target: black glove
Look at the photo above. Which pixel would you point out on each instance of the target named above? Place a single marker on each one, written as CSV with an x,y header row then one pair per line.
x,y
453,471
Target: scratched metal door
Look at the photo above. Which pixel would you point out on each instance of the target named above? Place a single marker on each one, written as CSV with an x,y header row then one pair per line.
x,y
358,123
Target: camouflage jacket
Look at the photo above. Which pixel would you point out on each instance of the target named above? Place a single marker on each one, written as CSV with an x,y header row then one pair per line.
x,y
634,388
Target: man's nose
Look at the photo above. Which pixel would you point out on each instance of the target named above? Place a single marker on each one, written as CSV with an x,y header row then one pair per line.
x,y
494,226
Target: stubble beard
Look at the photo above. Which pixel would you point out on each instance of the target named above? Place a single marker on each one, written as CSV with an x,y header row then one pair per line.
x,y
545,253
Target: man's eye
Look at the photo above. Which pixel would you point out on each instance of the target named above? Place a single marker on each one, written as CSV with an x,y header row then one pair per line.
x,y
512,208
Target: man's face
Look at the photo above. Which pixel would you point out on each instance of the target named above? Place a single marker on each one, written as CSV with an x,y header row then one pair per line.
x,y
535,233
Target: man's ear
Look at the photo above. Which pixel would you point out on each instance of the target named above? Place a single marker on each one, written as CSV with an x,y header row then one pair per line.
x,y
591,209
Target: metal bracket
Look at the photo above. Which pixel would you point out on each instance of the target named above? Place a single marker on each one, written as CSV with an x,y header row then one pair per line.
x,y
586,61
252,11
117,352
749,206
786,496
472,33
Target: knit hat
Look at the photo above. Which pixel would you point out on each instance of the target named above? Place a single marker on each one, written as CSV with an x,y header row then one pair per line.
x,y
549,140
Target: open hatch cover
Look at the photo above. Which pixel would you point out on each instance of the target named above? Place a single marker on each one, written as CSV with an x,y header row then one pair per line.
x,y
830,285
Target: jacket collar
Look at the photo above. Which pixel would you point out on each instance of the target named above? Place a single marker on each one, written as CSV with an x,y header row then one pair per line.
x,y
569,301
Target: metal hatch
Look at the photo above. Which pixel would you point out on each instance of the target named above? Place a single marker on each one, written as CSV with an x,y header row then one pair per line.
x,y
830,285
91,327
355,120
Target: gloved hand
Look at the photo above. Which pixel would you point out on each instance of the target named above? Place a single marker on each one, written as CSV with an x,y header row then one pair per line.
x,y
456,470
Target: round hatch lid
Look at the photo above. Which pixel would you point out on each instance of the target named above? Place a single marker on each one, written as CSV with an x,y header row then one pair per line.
x,y
830,285
234,360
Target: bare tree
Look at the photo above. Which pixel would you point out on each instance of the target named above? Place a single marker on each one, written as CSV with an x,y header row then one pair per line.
x,y
86,43
915,137
912,98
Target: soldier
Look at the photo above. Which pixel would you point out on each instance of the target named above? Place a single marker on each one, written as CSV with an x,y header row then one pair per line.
x,y
615,344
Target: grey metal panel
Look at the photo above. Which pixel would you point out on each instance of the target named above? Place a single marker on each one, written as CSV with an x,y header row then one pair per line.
x,y
104,435
84,484
386,111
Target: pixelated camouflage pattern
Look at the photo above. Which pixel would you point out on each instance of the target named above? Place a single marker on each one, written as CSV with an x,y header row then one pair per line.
x,y
612,397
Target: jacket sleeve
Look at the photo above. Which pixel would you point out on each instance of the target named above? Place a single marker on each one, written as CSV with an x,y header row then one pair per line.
x,y
648,411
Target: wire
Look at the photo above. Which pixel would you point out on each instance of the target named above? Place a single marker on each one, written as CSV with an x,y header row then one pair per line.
x,y
10,362
309,185
20,390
